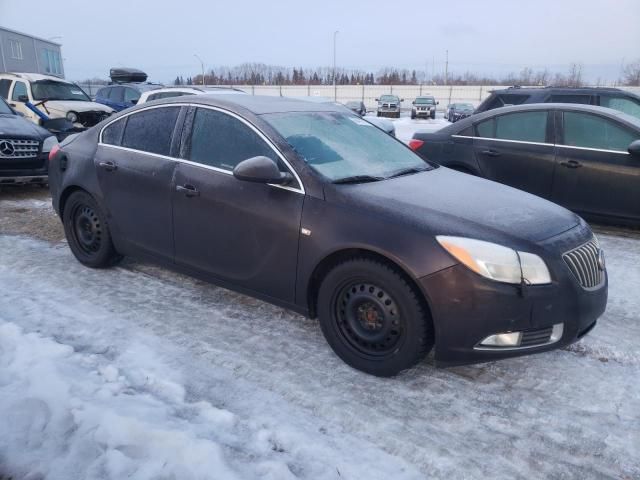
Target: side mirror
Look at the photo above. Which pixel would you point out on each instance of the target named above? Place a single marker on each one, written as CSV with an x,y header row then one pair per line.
x,y
261,170
377,99
413,103
23,98
634,148
402,99
437,103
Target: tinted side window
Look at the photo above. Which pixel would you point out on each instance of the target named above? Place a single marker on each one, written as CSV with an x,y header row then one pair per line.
x,y
102,93
112,135
584,99
513,99
116,94
630,106
19,88
467,132
222,141
131,95
151,130
591,131
4,88
525,126
486,128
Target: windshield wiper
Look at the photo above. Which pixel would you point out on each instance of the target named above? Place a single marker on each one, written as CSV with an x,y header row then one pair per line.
x,y
359,179
407,171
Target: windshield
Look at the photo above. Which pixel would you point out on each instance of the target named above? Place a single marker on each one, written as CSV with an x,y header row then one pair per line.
x,y
463,106
340,146
388,98
4,108
53,90
424,101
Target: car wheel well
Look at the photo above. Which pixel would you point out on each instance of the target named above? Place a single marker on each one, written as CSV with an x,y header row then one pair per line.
x,y
64,196
336,258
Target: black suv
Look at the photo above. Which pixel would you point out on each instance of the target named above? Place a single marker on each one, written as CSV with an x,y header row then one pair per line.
x,y
24,148
614,98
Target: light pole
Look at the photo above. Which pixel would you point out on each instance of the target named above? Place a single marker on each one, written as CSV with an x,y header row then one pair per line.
x,y
201,65
335,87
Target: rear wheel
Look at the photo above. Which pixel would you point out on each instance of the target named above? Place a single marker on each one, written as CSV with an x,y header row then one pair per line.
x,y
87,231
372,318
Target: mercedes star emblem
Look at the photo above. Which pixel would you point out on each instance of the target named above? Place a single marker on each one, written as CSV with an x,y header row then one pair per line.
x,y
6,148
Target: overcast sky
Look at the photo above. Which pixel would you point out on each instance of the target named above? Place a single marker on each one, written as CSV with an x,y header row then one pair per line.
x,y
485,36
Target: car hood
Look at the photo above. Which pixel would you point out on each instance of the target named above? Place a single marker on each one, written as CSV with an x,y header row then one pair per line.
x,y
445,202
59,108
17,126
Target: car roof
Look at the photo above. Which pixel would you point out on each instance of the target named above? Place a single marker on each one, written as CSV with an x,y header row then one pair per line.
x,y
198,90
576,90
34,77
608,112
256,104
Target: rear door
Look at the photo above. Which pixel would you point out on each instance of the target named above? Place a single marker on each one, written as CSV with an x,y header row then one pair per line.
x,y
595,173
115,99
240,232
517,149
135,164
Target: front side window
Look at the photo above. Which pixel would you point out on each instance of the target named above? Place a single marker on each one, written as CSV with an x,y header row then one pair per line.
x,y
222,141
591,131
151,130
53,90
486,129
131,95
19,89
112,135
116,94
630,106
525,126
343,146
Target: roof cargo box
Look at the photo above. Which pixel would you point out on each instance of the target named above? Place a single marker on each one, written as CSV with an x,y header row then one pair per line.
x,y
127,75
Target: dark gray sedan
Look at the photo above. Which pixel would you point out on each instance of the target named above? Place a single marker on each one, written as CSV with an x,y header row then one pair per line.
x,y
311,207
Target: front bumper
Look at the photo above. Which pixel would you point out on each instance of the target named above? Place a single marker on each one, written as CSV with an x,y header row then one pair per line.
x,y
18,171
467,308
423,113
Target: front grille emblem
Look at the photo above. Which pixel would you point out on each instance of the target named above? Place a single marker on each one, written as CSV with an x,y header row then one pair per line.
x,y
7,148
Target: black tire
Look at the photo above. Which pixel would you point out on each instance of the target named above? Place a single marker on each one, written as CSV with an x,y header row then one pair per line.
x,y
413,116
433,115
377,114
87,231
398,116
372,318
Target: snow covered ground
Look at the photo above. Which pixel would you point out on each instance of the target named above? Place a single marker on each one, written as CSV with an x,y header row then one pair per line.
x,y
138,372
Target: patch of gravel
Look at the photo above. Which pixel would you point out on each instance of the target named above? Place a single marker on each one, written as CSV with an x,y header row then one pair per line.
x,y
27,210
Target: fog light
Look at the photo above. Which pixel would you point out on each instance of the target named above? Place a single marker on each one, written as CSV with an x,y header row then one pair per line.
x,y
503,340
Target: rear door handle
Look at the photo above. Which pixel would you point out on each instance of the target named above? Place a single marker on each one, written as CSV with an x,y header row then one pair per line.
x,y
571,164
491,153
188,190
108,166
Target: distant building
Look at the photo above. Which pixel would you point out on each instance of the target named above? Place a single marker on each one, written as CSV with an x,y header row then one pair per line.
x,y
20,52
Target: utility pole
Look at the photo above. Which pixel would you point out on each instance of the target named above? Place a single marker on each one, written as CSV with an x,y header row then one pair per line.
x,y
446,69
201,65
335,87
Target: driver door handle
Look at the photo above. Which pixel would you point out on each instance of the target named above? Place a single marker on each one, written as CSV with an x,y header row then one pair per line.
x,y
491,153
188,190
108,166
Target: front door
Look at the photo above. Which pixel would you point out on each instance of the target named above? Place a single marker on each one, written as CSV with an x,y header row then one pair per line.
x,y
595,173
135,171
20,89
240,232
517,149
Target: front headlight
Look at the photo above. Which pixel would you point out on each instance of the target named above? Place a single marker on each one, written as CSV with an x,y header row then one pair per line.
x,y
48,144
72,117
496,262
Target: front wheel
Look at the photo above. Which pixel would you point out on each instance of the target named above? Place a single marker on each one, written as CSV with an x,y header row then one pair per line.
x,y
87,231
372,318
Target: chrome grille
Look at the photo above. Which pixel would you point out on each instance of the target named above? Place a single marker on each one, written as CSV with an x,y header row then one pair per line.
x,y
20,148
585,265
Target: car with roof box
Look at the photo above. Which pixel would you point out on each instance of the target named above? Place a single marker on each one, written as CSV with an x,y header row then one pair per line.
x,y
310,207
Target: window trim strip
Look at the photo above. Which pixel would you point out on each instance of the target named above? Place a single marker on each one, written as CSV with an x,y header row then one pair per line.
x,y
300,190
548,144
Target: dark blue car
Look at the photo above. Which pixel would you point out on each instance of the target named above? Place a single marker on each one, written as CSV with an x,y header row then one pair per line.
x,y
121,96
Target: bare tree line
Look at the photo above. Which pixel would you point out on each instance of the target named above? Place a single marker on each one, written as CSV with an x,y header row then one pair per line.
x,y
263,74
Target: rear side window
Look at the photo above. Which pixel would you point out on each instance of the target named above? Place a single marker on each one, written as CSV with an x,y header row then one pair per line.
x,y
590,131
116,94
131,95
151,130
4,88
112,135
583,99
525,126
629,106
222,141
102,93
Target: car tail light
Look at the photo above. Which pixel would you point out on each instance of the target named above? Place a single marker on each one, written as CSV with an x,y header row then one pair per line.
x,y
54,150
415,144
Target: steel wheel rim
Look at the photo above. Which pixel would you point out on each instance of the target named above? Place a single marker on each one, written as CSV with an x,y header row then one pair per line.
x,y
368,319
87,229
